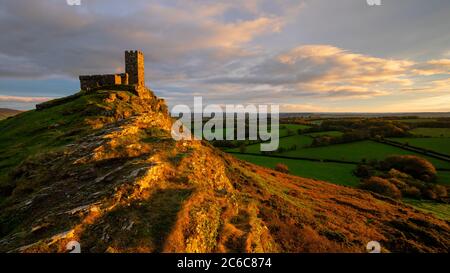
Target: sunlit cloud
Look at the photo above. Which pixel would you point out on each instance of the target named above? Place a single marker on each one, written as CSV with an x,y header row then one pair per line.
x,y
19,99
325,70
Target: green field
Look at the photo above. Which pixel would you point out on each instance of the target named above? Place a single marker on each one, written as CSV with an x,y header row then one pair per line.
x,y
354,151
333,172
431,132
440,145
438,209
285,128
285,142
342,174
327,133
444,177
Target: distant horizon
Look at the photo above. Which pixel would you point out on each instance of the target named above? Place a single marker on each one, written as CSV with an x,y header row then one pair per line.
x,y
303,113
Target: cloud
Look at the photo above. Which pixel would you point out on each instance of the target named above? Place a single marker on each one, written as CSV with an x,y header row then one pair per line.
x,y
18,99
302,108
433,67
180,38
332,72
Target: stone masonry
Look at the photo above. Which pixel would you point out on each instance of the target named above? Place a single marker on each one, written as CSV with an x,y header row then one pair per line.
x,y
134,74
134,66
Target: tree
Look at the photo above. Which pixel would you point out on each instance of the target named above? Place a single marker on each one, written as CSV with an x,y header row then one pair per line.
x,y
415,166
381,186
282,168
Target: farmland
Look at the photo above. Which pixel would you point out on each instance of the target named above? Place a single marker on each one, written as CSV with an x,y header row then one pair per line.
x,y
333,172
431,132
346,147
350,152
437,144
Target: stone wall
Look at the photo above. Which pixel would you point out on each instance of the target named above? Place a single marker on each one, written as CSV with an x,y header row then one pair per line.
x,y
134,66
94,81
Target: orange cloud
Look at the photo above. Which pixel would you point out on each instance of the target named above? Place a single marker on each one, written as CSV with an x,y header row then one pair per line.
x,y
4,98
329,71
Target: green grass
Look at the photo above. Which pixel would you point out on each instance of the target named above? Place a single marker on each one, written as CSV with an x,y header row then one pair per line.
x,y
333,172
354,152
284,128
35,132
357,151
440,210
327,133
285,142
317,122
443,178
440,145
431,132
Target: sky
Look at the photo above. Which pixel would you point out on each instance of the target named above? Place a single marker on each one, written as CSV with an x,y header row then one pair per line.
x,y
305,55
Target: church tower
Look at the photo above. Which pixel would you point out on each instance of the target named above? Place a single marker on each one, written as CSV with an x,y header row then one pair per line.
x,y
134,66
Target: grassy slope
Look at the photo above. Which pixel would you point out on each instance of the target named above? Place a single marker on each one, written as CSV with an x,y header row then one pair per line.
x,y
439,209
35,132
5,113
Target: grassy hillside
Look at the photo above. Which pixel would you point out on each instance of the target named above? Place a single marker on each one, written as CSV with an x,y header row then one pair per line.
x,y
5,113
102,169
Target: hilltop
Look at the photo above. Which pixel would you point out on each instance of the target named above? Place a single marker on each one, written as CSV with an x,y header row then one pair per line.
x,y
101,168
5,113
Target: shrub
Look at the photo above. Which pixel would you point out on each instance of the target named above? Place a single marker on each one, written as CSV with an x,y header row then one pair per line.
x,y
381,186
441,191
412,192
282,168
364,171
430,194
415,166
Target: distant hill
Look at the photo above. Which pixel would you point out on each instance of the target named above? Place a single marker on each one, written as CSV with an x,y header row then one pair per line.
x,y
101,168
5,113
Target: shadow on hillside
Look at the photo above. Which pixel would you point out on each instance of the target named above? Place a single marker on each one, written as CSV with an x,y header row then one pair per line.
x,y
141,227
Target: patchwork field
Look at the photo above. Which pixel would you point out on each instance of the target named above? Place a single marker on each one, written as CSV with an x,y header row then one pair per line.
x,y
353,152
431,132
313,162
333,172
287,129
327,133
436,144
